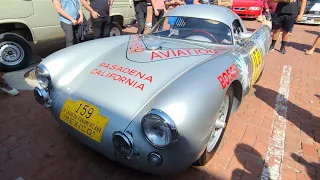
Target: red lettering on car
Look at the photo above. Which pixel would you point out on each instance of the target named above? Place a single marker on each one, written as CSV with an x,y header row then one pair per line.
x,y
228,76
118,73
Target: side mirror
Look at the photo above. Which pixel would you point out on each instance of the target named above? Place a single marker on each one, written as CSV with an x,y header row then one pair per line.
x,y
245,35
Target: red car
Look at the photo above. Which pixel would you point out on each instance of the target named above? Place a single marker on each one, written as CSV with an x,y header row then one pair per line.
x,y
247,8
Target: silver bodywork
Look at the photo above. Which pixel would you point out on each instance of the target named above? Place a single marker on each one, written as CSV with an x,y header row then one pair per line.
x,y
186,86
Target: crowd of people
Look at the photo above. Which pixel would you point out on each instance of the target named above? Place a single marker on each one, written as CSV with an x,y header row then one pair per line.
x,y
283,13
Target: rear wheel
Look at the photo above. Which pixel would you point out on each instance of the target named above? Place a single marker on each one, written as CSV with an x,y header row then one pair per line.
x,y
114,30
15,52
219,129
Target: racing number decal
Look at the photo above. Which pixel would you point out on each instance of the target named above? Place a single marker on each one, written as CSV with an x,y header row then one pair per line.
x,y
256,64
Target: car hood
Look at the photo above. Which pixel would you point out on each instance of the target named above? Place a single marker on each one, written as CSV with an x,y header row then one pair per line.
x,y
126,77
247,3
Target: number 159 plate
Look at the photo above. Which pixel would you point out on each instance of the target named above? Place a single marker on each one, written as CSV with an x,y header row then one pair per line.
x,y
84,117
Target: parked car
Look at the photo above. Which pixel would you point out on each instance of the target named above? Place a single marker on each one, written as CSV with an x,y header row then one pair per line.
x,y
158,102
25,22
247,8
312,13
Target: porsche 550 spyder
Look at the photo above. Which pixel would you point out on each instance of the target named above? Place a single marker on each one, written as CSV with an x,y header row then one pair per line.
x,y
158,102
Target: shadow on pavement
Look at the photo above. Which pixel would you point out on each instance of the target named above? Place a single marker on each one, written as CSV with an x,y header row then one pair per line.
x,y
313,32
252,169
302,47
304,162
317,95
301,118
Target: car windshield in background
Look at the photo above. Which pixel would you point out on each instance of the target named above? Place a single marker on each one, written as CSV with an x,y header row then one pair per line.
x,y
195,29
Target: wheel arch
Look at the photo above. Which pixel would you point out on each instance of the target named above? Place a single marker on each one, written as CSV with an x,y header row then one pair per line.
x,y
238,94
117,18
19,28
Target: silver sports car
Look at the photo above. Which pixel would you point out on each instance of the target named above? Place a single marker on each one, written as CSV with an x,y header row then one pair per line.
x,y
158,102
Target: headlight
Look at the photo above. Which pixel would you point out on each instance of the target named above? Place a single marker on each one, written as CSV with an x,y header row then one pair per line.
x,y
254,8
159,129
43,76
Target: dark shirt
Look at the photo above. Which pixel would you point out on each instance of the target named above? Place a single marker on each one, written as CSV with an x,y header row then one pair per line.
x,y
288,8
101,7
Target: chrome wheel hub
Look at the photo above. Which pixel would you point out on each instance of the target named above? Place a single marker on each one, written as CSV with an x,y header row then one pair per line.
x,y
11,53
115,32
219,124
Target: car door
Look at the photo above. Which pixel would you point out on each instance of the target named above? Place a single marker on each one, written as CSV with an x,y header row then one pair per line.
x,y
45,22
8,9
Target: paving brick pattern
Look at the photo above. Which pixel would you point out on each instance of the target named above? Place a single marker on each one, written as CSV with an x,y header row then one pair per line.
x,y
34,146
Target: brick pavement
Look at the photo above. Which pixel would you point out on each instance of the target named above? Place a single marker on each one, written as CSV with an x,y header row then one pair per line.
x,y
33,146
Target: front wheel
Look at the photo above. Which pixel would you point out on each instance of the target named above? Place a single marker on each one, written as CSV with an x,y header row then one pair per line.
x,y
219,129
15,52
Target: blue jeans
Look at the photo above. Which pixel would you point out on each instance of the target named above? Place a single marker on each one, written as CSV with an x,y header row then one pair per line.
x,y
291,29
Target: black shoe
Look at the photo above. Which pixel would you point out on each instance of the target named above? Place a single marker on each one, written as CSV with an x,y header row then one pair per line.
x,y
271,48
283,50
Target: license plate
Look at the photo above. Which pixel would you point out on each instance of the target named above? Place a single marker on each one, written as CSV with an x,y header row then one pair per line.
x,y
84,117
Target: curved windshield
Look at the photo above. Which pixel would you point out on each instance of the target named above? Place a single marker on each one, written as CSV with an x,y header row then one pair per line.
x,y
195,29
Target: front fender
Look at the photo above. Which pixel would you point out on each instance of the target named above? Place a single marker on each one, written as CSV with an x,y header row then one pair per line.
x,y
66,64
192,101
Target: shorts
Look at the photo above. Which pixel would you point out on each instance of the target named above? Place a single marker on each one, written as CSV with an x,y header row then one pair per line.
x,y
284,21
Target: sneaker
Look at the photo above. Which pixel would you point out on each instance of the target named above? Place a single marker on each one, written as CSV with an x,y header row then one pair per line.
x,y
271,48
283,50
8,89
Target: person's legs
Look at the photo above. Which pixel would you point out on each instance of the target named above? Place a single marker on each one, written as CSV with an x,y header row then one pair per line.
x,y
287,26
316,44
141,17
68,33
161,13
6,88
154,18
277,23
105,25
76,38
291,30
96,24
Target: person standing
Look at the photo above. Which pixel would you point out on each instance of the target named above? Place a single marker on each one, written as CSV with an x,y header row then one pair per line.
x,y
286,14
158,10
70,17
100,16
140,7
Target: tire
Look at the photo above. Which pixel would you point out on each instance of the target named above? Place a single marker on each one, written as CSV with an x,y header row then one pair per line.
x,y
114,29
16,46
207,155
